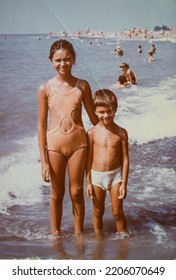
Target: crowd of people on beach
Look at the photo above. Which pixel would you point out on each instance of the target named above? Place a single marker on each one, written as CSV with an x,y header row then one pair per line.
x,y
137,33
132,33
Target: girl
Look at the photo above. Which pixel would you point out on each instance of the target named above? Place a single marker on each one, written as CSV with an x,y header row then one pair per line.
x,y
63,142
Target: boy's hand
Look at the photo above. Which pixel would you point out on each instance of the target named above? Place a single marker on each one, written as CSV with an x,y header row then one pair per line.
x,y
89,191
122,192
45,173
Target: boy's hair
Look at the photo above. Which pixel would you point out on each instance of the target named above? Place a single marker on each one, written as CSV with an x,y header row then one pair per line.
x,y
105,97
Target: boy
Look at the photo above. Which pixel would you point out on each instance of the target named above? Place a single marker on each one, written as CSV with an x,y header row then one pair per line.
x,y
107,163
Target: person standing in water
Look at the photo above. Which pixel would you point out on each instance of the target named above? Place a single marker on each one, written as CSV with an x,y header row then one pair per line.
x,y
63,142
107,163
150,57
153,48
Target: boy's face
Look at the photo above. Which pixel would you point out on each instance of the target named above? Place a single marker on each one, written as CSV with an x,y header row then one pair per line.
x,y
105,114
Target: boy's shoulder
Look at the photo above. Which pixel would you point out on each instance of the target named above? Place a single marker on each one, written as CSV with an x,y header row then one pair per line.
x,y
122,133
92,129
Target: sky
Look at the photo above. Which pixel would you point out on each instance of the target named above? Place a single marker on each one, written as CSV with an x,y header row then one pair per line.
x,y
42,16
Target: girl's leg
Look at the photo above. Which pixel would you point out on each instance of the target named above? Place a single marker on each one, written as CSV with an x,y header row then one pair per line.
x,y
76,167
117,209
57,175
98,209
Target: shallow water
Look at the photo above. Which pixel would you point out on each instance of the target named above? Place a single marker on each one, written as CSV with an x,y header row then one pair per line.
x,y
147,111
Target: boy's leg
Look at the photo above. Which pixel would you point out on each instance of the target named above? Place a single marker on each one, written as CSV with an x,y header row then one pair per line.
x,y
76,167
57,175
117,209
98,209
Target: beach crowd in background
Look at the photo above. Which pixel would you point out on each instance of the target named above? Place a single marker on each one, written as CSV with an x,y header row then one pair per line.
x,y
137,33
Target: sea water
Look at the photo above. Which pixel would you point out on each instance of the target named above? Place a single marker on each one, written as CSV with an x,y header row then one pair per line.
x,y
147,111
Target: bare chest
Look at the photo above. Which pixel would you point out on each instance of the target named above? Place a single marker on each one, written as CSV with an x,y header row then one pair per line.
x,y
107,140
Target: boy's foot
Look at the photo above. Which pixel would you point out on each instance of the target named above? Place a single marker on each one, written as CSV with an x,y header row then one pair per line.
x,y
99,233
122,235
56,235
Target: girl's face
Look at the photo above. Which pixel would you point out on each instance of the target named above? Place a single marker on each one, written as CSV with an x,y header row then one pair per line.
x,y
62,62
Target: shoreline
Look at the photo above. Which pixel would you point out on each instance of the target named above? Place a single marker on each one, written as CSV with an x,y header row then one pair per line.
x,y
131,34
152,36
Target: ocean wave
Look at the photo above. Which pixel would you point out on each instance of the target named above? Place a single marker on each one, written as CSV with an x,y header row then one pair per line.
x,y
148,113
20,176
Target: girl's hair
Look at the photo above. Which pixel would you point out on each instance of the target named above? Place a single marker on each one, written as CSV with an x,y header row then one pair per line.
x,y
105,97
62,44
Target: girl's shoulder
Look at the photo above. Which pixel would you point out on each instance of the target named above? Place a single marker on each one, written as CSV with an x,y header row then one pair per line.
x,y
83,85
45,88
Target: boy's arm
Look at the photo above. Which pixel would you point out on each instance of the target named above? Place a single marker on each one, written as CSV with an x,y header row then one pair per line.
x,y
125,165
89,164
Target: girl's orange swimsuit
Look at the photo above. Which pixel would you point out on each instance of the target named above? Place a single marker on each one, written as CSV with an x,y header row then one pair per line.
x,y
68,134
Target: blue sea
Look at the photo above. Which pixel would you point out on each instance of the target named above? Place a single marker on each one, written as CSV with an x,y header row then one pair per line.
x,y
147,111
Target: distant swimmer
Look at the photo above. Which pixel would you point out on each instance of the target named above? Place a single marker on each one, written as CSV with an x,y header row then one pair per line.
x,y
129,74
139,49
153,48
118,51
122,81
151,58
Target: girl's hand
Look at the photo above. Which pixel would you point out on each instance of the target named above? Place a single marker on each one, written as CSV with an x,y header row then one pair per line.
x,y
45,173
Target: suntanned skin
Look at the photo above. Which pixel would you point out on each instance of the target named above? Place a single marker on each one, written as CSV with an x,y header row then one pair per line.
x,y
53,165
108,150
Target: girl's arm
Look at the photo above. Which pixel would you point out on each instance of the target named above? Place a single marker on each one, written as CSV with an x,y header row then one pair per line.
x,y
88,102
42,130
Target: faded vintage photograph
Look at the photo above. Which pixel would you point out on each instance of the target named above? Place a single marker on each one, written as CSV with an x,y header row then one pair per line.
x,y
87,129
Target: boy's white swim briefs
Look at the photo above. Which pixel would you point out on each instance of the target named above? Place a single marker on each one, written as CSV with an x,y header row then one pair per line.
x,y
107,179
